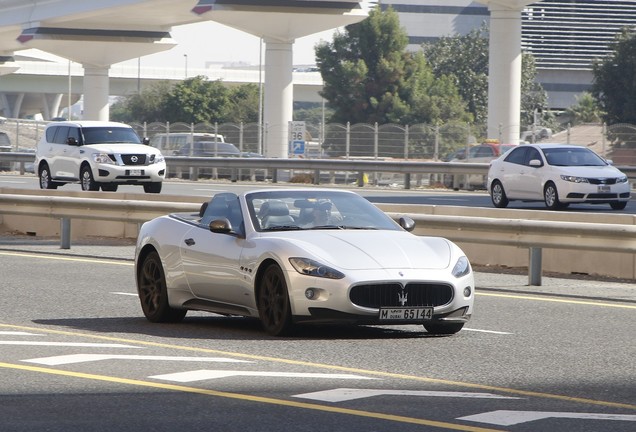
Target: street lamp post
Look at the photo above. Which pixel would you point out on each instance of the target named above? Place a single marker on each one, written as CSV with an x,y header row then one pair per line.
x,y
185,56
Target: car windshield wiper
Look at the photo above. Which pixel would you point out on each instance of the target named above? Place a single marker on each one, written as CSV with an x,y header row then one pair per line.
x,y
283,228
343,227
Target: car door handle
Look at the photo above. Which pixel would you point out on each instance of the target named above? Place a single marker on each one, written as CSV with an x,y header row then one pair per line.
x,y
189,242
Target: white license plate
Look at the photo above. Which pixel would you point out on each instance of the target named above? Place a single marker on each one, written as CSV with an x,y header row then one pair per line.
x,y
604,188
406,314
136,172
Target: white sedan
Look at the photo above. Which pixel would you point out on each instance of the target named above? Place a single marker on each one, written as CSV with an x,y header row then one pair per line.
x,y
558,175
301,256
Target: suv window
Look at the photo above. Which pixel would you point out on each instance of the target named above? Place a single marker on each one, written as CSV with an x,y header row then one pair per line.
x,y
61,134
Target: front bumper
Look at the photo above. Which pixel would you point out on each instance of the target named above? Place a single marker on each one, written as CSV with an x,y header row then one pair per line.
x,y
130,174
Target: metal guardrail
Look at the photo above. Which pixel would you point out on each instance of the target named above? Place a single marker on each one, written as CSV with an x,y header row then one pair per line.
x,y
360,167
532,234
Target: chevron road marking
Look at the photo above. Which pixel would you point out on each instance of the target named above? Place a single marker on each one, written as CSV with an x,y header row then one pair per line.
x,y
201,375
346,394
83,358
509,418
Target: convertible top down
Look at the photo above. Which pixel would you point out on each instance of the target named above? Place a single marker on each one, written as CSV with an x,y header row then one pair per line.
x,y
297,256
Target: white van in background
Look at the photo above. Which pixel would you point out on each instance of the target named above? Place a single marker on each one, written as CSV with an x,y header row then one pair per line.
x,y
171,144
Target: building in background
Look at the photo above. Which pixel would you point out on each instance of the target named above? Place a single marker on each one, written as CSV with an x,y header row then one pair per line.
x,y
565,36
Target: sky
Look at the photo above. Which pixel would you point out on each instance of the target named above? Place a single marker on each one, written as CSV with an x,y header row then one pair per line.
x,y
226,45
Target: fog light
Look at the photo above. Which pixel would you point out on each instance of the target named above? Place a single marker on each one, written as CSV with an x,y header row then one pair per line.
x,y
310,293
467,291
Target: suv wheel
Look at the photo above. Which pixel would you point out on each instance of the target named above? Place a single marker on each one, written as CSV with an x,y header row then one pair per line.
x,y
45,178
86,178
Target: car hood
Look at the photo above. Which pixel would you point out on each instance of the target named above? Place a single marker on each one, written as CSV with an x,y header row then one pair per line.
x,y
123,148
591,171
366,249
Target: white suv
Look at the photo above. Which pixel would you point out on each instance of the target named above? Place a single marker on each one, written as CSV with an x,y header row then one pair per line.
x,y
97,154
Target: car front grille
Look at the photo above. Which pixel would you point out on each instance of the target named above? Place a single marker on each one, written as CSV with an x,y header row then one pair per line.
x,y
602,181
395,294
134,159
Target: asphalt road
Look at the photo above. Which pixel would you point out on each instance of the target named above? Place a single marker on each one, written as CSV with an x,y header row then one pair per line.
x,y
204,189
77,355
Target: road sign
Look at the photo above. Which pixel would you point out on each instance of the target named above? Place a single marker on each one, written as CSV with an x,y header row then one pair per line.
x,y
297,137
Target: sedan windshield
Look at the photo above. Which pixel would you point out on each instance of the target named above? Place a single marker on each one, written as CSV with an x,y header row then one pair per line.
x,y
569,156
303,210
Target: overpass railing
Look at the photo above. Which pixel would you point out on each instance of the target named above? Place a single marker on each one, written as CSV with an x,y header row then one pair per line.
x,y
532,234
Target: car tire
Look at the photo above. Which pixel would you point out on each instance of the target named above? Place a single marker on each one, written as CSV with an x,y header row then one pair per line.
x,y
45,177
618,205
273,302
551,197
109,187
498,195
154,187
153,292
86,179
443,328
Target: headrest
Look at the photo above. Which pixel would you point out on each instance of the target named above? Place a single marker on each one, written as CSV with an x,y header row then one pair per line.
x,y
274,208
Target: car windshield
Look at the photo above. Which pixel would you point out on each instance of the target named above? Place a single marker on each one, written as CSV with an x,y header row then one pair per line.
x,y
311,210
110,135
569,156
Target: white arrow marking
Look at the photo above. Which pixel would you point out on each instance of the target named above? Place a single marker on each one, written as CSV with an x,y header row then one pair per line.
x,y
201,375
68,344
82,358
125,294
487,331
509,418
346,394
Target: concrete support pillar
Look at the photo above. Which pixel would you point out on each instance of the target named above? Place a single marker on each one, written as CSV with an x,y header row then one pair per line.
x,y
279,97
504,74
17,105
96,88
55,105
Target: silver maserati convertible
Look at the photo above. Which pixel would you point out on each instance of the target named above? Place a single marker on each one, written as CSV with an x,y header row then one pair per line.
x,y
301,256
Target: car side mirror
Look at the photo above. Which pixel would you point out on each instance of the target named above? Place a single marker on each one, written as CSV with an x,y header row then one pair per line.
x,y
72,141
145,141
221,226
536,163
407,223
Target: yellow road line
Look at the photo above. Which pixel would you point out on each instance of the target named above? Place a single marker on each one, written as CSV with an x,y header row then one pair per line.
x,y
337,368
67,258
558,300
250,398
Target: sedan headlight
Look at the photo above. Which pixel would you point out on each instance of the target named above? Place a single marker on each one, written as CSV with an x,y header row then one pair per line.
x,y
462,267
574,179
310,267
621,179
103,158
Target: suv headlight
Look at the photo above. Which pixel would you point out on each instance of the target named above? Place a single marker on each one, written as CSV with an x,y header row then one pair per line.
x,y
310,267
574,179
154,159
462,267
103,158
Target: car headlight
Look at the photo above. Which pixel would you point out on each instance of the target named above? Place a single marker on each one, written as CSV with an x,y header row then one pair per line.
x,y
621,180
574,179
310,267
462,267
156,159
103,158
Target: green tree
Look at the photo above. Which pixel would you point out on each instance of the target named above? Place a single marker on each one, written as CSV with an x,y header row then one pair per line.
x,y
585,110
370,77
465,59
147,106
197,100
242,104
614,83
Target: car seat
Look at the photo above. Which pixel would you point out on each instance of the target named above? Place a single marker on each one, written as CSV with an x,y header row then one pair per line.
x,y
275,213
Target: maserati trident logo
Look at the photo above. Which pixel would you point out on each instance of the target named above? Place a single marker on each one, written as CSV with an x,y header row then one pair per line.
x,y
402,296
134,159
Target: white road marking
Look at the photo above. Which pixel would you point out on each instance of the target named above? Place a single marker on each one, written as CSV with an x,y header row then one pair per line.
x,y
346,394
125,294
67,344
486,331
83,358
509,418
18,333
201,375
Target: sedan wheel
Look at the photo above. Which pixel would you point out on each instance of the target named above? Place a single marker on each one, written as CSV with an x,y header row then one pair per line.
x,y
86,178
45,178
153,293
498,195
273,302
443,329
551,197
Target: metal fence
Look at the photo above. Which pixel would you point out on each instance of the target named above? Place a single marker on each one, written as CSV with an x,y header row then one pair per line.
x,y
412,142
